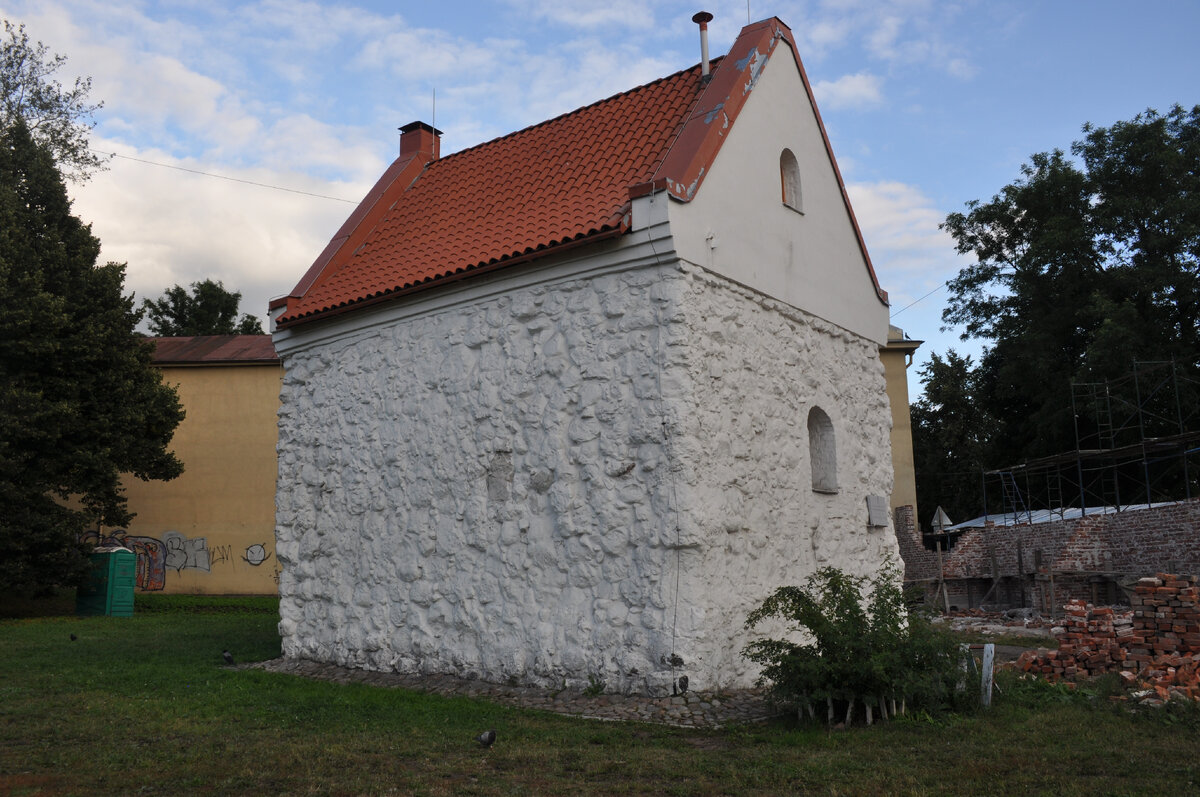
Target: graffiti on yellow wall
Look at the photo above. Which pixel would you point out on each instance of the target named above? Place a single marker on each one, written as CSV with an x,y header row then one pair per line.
x,y
173,552
256,554
184,553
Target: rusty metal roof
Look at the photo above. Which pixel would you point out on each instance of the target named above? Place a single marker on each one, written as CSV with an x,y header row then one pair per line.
x,y
214,350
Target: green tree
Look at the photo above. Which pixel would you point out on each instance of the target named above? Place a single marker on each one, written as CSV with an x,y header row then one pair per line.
x,y
1081,267
58,118
951,431
79,402
1146,191
1032,292
208,310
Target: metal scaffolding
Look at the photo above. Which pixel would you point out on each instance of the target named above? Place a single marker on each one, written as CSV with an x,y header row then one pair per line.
x,y
1137,443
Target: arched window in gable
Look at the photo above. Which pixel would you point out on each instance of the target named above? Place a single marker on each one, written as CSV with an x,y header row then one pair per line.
x,y
789,176
822,451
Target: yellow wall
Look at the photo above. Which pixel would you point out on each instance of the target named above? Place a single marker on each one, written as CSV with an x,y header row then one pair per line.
x,y
895,363
204,525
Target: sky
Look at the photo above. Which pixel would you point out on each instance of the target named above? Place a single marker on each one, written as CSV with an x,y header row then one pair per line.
x,y
244,134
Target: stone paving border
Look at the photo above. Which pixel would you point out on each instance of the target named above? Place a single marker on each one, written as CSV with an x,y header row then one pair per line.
x,y
692,710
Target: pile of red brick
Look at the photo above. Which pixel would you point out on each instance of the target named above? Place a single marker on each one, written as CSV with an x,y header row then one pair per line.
x,y
1156,646
1166,616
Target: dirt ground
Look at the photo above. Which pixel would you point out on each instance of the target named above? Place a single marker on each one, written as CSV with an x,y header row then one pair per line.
x,y
1010,629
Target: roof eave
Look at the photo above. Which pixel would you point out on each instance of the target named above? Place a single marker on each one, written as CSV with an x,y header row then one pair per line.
x,y
284,322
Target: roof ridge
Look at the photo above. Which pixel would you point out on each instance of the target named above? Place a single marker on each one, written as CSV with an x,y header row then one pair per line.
x,y
612,97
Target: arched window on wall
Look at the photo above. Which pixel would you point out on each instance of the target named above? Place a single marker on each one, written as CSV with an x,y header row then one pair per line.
x,y
789,175
822,451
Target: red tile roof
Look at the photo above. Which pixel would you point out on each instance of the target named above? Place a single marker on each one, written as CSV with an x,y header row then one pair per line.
x,y
551,184
565,181
214,350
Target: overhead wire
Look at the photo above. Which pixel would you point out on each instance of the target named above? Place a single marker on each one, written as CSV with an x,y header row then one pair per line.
x,y
224,177
923,298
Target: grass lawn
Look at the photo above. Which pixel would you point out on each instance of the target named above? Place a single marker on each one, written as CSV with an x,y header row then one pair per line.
x,y
145,705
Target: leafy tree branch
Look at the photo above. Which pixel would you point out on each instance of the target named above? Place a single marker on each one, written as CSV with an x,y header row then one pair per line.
x,y
58,118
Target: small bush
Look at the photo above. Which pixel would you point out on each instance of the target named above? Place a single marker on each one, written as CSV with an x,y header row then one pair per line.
x,y
872,651
596,686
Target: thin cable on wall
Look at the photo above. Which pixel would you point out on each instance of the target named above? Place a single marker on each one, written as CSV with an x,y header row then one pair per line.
x,y
224,177
670,469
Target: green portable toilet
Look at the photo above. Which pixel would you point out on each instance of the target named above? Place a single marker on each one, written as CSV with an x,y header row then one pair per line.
x,y
109,587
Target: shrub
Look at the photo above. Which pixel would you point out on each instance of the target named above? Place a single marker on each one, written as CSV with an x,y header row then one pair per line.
x,y
871,651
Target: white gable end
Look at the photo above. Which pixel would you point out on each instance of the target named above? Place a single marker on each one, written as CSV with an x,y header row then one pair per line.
x,y
738,225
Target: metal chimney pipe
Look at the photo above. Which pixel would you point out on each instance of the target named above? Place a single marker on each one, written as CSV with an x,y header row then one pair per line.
x,y
702,19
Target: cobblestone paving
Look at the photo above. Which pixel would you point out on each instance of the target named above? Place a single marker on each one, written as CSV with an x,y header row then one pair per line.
x,y
692,710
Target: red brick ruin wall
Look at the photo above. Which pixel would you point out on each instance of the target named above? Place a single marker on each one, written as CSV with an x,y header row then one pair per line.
x,y
919,561
1135,541
1152,539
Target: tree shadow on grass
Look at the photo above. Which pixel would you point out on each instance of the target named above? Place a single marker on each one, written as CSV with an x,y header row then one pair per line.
x,y
59,603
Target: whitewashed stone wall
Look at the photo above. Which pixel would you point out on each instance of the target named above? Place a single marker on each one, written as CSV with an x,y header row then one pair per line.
x,y
755,368
573,480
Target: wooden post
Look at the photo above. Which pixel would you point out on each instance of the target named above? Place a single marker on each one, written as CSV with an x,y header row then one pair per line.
x,y
1053,601
995,574
942,578
1021,572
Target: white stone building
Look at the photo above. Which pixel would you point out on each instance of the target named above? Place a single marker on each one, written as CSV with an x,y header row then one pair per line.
x,y
570,403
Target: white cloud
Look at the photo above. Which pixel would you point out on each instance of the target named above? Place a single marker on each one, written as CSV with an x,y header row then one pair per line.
x,y
299,143
174,228
900,225
588,14
828,33
541,85
419,55
961,68
913,260
862,90
884,37
582,73
897,33
307,27
913,32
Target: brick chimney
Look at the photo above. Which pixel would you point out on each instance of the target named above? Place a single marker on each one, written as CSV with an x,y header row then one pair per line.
x,y
421,141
